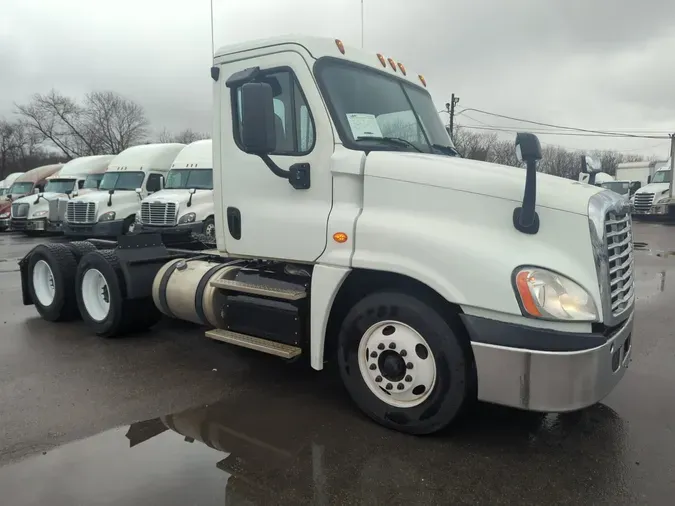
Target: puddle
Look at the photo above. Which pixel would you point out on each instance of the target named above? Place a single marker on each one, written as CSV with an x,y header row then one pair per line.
x,y
261,449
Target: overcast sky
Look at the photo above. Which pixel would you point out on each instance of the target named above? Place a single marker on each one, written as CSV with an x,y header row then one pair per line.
x,y
600,64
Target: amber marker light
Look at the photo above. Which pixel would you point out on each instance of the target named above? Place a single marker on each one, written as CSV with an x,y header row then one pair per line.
x,y
422,80
523,286
382,60
340,237
392,63
400,66
340,45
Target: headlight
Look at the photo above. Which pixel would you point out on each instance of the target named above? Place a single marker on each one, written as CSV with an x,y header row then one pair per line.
x,y
550,296
109,216
4,215
187,218
38,214
663,198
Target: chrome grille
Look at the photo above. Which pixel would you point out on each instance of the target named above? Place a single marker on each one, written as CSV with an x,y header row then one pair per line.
x,y
81,212
642,202
619,242
158,213
20,210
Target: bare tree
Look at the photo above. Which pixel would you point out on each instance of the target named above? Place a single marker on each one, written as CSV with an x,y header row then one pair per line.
x,y
184,136
105,124
114,122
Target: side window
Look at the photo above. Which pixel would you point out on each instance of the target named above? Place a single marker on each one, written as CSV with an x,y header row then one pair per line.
x,y
293,120
80,183
154,183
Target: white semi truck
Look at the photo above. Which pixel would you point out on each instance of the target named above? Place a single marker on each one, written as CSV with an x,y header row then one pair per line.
x,y
186,202
349,229
45,211
6,183
136,172
654,199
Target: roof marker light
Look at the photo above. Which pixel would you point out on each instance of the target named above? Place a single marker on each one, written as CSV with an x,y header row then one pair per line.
x,y
382,60
400,65
422,80
392,63
340,45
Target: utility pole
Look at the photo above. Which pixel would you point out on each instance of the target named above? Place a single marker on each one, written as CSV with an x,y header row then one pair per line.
x,y
672,164
450,107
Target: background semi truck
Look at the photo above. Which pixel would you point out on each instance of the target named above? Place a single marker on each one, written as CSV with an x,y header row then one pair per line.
x,y
133,174
640,171
186,202
654,199
363,238
32,181
6,184
45,212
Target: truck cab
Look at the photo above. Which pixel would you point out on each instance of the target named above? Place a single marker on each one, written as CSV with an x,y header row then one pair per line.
x,y
653,199
349,229
186,202
30,182
136,172
45,211
6,184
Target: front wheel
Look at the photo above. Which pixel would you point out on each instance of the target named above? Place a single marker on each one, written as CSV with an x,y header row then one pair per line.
x,y
403,364
210,228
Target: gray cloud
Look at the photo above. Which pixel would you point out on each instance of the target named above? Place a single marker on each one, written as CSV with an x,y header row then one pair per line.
x,y
600,64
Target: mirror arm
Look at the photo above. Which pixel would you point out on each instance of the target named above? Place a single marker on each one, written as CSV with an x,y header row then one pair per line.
x,y
276,170
525,218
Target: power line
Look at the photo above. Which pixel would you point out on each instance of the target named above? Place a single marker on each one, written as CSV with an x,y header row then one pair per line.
x,y
562,127
515,129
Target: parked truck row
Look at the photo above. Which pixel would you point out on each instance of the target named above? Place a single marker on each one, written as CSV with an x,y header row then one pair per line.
x,y
165,188
349,229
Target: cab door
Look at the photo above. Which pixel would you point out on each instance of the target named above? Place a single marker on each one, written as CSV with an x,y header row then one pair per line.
x,y
262,214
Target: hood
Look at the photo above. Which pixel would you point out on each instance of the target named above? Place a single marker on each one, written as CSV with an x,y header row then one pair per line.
x,y
471,176
175,196
654,188
101,197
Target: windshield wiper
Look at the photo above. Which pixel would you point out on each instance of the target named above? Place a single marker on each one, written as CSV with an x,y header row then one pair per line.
x,y
391,140
446,149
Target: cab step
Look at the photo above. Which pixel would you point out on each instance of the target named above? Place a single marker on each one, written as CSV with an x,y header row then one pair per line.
x,y
255,343
256,289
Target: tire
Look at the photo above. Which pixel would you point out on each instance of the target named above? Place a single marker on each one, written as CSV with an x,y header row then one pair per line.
x,y
430,409
52,268
108,312
210,229
80,248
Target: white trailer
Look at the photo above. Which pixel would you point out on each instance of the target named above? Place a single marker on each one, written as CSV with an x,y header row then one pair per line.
x,y
186,202
639,171
136,172
348,228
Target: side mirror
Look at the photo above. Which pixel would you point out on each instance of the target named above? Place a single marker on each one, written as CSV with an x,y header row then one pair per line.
x,y
110,192
590,165
258,128
139,190
528,148
192,191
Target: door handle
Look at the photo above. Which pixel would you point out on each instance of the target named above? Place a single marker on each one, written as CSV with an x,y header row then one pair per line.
x,y
234,222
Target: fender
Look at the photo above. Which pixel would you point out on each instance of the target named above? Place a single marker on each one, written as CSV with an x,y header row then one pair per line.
x,y
326,283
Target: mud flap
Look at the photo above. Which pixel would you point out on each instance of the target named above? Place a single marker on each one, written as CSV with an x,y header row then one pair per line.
x,y
23,269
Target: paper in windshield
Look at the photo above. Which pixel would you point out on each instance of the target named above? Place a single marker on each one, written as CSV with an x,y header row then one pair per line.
x,y
364,125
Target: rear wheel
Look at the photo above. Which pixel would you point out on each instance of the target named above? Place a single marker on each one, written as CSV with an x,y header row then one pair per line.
x,y
210,229
100,292
403,364
51,274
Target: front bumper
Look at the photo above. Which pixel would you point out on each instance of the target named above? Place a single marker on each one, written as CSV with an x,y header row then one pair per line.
x,y
656,210
100,229
4,224
36,225
185,228
545,370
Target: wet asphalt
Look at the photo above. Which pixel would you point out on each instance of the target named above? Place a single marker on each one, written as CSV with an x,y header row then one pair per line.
x,y
172,418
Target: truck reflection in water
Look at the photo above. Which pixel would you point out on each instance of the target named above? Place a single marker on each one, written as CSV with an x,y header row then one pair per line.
x,y
297,454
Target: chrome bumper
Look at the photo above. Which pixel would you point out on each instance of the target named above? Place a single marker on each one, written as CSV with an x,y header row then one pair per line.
x,y
552,381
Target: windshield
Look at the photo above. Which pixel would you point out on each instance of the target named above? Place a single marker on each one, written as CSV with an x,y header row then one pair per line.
x,y
4,191
618,187
21,188
370,105
92,181
122,180
60,185
201,179
661,176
